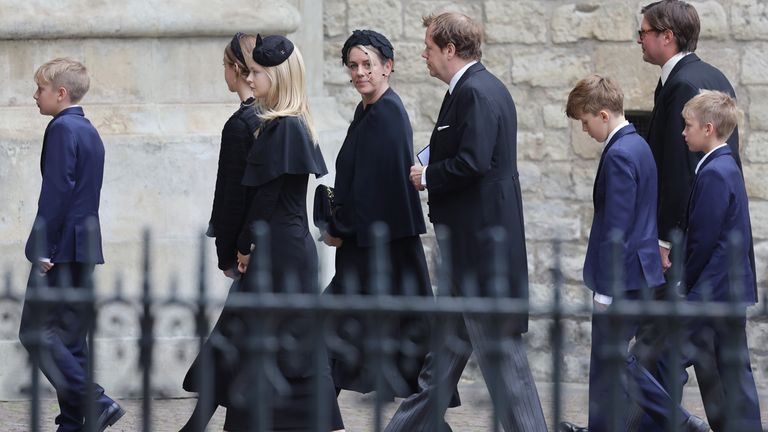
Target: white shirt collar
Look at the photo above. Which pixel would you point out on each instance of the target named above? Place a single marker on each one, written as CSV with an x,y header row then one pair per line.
x,y
458,76
670,64
706,156
613,132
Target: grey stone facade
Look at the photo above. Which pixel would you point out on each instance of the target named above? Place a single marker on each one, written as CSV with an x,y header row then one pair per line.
x,y
540,49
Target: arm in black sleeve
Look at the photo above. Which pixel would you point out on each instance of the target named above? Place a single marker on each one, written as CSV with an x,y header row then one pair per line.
x,y
261,207
229,199
679,163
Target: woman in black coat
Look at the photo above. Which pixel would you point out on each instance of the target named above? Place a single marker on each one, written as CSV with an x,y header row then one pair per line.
x,y
225,224
372,186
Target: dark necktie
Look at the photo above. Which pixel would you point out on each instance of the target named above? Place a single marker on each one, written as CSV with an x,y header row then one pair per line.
x,y
657,91
444,106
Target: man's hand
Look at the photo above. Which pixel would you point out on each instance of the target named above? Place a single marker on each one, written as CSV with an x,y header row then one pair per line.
x,y
45,266
331,240
665,262
242,262
599,307
415,177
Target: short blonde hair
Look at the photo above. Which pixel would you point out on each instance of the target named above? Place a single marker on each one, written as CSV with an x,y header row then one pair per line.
x,y
287,96
67,73
716,107
594,94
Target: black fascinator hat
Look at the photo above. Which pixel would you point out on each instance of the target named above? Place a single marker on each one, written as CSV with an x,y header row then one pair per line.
x,y
271,50
367,37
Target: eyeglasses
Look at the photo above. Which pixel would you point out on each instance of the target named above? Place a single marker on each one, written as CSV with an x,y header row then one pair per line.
x,y
641,33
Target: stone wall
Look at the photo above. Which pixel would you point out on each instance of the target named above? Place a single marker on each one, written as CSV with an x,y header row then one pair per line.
x,y
540,49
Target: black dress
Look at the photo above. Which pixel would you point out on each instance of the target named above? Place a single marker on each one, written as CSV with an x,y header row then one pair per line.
x,y
226,222
276,176
372,186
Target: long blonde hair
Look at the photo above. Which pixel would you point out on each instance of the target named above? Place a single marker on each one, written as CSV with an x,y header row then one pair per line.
x,y
287,96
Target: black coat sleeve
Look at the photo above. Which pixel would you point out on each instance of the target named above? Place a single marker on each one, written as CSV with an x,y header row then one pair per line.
x,y
679,164
229,199
261,207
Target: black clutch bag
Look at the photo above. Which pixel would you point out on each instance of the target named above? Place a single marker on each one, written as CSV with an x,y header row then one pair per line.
x,y
323,207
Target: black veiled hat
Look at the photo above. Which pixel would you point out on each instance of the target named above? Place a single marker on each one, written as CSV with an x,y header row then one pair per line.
x,y
234,45
272,50
367,37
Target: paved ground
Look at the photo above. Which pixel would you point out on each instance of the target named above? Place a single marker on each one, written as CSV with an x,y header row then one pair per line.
x,y
169,414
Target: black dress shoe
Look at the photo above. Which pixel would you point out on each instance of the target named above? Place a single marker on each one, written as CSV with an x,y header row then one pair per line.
x,y
109,416
570,427
696,424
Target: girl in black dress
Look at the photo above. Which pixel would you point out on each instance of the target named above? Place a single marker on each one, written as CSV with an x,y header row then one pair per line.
x,y
372,186
279,164
227,217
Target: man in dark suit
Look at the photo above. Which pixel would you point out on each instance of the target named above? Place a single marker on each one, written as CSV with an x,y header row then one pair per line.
x,y
65,245
622,258
668,34
474,192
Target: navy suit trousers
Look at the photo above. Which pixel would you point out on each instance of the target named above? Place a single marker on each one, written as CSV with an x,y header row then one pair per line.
x,y
57,335
616,378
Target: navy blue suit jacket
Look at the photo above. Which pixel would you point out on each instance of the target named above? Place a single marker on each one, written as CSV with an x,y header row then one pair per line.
x,y
624,198
72,165
473,184
718,208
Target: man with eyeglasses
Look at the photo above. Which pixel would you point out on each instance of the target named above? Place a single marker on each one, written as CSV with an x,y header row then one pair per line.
x,y
668,35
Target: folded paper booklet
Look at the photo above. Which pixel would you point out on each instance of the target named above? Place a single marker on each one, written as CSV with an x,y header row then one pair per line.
x,y
423,156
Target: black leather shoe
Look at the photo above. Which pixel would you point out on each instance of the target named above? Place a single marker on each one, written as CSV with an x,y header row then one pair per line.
x,y
695,424
109,416
570,427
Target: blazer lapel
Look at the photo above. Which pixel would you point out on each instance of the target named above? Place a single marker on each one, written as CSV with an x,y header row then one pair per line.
x,y
723,151
66,111
626,130
447,104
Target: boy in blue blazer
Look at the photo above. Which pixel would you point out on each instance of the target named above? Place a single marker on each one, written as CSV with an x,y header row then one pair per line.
x,y
67,245
718,212
622,256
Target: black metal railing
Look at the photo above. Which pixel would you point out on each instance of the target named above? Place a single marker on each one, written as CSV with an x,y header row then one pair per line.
x,y
263,338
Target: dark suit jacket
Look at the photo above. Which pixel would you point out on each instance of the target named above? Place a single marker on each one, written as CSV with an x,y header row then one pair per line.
x,y
72,165
625,205
228,212
718,209
676,165
473,182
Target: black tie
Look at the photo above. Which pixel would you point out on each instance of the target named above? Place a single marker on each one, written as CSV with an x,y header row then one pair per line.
x,y
657,91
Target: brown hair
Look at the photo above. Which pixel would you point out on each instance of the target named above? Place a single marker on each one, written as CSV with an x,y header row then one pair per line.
x,y
247,44
594,94
460,30
67,73
716,107
677,16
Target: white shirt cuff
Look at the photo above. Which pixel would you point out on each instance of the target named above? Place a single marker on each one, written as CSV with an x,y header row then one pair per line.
x,y
424,177
665,244
45,260
603,299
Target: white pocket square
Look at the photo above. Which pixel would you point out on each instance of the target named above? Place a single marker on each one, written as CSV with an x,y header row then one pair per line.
x,y
439,128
